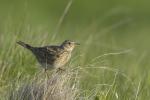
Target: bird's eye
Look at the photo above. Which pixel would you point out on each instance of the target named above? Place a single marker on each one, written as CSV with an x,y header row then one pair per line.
x,y
69,43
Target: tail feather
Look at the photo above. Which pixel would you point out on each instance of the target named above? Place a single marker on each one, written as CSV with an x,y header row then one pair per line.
x,y
25,45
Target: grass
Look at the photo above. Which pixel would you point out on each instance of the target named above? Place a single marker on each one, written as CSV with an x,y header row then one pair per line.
x,y
112,62
114,74
61,86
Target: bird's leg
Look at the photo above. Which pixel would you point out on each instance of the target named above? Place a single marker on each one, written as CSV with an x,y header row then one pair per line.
x,y
45,71
46,68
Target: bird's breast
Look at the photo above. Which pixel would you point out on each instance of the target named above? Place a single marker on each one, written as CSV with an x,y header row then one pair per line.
x,y
62,59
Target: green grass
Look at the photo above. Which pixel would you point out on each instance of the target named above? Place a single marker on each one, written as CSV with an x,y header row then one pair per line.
x,y
111,63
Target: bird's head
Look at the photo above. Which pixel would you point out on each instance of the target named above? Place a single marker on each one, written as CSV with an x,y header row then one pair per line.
x,y
69,45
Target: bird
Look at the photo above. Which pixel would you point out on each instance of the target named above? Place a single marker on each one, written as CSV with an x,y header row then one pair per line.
x,y
52,56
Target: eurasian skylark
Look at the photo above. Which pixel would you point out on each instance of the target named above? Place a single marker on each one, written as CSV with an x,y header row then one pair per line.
x,y
52,57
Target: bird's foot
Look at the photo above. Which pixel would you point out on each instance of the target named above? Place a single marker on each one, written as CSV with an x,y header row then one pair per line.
x,y
60,70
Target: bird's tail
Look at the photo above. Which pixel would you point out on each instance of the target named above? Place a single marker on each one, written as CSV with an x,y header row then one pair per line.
x,y
25,45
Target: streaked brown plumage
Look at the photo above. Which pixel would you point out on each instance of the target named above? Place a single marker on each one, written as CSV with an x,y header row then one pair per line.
x,y
52,57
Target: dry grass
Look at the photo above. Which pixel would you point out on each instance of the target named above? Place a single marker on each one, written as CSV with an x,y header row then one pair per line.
x,y
58,86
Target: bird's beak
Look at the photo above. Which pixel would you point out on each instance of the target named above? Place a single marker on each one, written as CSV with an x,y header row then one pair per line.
x,y
77,43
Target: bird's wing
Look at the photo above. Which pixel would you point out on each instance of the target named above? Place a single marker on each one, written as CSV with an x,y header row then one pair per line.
x,y
46,54
53,50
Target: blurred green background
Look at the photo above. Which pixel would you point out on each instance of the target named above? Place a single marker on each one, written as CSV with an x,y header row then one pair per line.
x,y
120,27
125,20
